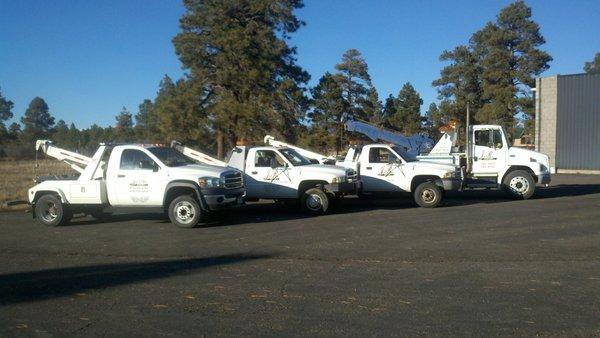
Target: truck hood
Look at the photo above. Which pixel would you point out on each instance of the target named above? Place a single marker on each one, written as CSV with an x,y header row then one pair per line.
x,y
325,169
198,170
526,155
430,165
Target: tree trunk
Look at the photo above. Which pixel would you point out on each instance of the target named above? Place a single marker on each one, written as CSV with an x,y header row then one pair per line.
x,y
219,136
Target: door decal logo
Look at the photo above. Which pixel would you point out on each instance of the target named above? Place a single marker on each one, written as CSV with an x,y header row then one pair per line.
x,y
138,186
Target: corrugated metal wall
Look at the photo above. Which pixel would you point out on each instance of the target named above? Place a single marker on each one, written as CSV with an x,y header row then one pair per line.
x,y
578,122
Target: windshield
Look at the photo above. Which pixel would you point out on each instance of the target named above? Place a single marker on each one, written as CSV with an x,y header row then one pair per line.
x,y
293,156
406,156
170,157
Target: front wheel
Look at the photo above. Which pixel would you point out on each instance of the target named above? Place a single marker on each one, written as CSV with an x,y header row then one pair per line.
x,y
428,195
519,184
184,212
50,211
315,201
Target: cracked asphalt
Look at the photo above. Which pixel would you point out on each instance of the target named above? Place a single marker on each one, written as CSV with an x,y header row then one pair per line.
x,y
481,265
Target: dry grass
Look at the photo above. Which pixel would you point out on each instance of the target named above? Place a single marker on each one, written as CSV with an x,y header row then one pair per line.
x,y
17,176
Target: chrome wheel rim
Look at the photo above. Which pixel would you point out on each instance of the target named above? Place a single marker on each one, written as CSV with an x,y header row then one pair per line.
x,y
185,212
428,195
519,185
50,212
314,202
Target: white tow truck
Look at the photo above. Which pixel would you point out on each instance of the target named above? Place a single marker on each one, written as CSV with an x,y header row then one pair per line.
x,y
283,174
489,160
386,168
134,175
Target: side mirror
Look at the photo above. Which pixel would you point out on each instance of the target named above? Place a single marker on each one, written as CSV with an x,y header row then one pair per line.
x,y
155,167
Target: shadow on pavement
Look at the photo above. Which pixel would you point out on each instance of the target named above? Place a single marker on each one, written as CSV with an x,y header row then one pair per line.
x,y
45,284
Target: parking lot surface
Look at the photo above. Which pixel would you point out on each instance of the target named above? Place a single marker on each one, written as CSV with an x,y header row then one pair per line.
x,y
479,265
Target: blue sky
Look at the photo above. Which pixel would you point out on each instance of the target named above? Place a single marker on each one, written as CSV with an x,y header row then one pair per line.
x,y
88,58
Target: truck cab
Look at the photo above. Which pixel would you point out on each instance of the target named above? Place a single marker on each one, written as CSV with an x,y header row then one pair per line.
x,y
490,161
284,174
134,175
493,158
385,168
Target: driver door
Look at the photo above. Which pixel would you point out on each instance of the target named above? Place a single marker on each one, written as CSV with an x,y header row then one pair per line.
x,y
137,181
269,176
378,173
489,151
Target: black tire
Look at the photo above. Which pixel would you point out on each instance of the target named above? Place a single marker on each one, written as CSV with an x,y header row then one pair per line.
x,y
184,212
50,211
519,184
428,195
315,201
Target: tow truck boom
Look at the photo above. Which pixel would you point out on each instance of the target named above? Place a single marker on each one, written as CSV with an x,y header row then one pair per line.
x,y
413,144
197,155
77,161
322,159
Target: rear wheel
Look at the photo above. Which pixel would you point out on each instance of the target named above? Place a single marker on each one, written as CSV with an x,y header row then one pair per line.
x,y
50,211
428,195
315,201
184,212
519,184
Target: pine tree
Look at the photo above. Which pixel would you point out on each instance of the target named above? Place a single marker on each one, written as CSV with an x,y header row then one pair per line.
x,y
407,115
5,114
145,123
37,120
434,120
373,108
510,60
243,70
14,131
353,76
389,109
124,126
60,134
459,83
326,130
593,67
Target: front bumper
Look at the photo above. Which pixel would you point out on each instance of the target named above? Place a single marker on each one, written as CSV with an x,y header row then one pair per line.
x,y
452,184
544,178
219,198
345,188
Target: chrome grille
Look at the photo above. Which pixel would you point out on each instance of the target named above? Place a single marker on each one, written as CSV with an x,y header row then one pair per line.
x,y
351,176
232,179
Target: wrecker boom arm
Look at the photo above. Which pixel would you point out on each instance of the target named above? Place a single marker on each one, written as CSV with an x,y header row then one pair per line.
x,y
413,144
77,161
197,155
270,140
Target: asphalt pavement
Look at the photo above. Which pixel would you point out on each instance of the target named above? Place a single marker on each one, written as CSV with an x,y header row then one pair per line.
x,y
480,265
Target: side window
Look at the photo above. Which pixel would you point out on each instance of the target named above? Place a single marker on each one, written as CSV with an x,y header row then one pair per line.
x,y
380,155
264,158
498,142
133,159
482,138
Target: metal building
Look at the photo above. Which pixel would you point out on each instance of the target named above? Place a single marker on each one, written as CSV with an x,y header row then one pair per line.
x,y
567,122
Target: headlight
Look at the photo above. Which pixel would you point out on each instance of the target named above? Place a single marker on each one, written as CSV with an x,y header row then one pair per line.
x,y
453,174
340,179
209,182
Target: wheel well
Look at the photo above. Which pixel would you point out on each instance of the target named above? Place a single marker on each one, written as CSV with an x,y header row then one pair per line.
x,y
41,193
174,192
420,179
519,167
305,185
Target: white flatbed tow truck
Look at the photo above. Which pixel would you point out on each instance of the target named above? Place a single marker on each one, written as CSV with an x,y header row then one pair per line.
x,y
134,175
